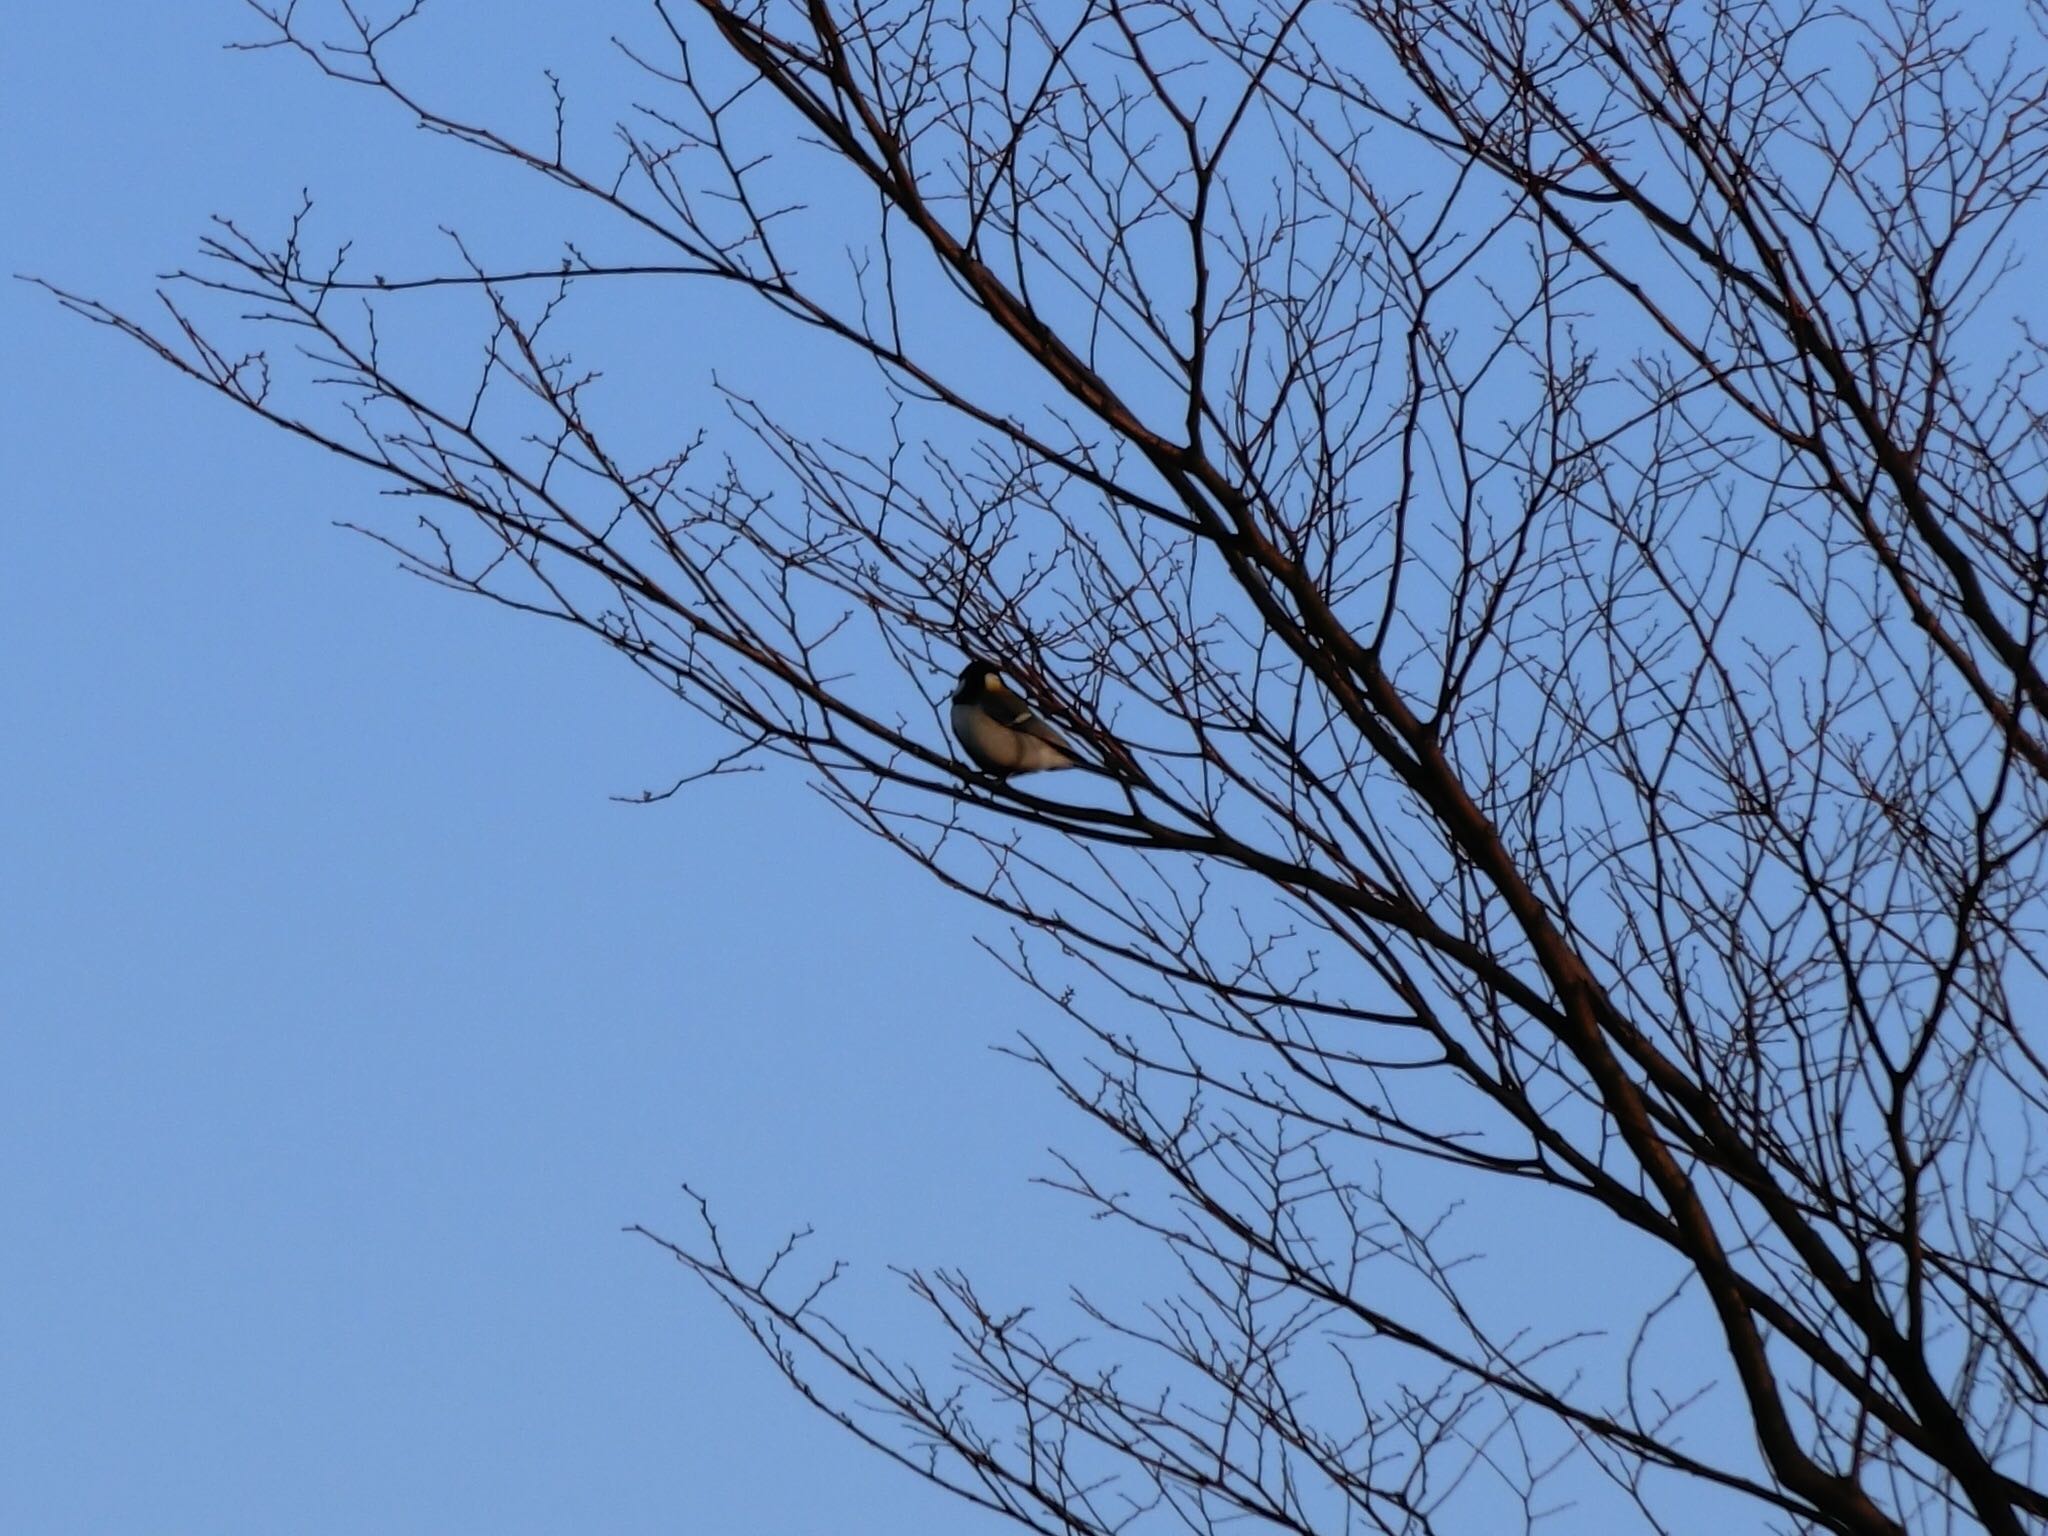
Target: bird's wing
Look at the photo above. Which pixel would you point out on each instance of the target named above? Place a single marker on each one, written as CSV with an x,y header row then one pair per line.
x,y
1007,709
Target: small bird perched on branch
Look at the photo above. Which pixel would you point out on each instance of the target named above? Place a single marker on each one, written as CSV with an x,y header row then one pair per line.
x,y
1000,731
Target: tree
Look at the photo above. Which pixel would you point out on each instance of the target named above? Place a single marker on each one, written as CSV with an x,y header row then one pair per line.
x,y
1533,507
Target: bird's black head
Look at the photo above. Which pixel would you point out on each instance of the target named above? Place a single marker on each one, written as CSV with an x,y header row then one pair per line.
x,y
978,677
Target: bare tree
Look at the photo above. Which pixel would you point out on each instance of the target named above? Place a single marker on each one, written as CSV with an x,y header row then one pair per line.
x,y
1539,512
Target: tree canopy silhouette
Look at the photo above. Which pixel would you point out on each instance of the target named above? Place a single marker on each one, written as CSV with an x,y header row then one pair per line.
x,y
1538,505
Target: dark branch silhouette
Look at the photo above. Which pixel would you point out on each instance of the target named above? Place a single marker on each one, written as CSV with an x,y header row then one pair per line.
x,y
1540,505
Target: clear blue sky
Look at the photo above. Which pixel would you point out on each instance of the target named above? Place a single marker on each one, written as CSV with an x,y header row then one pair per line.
x,y
343,1019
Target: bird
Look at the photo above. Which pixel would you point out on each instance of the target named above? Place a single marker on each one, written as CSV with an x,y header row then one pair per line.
x,y
1000,731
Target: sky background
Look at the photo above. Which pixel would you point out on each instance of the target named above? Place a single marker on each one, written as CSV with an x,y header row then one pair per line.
x,y
344,1019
